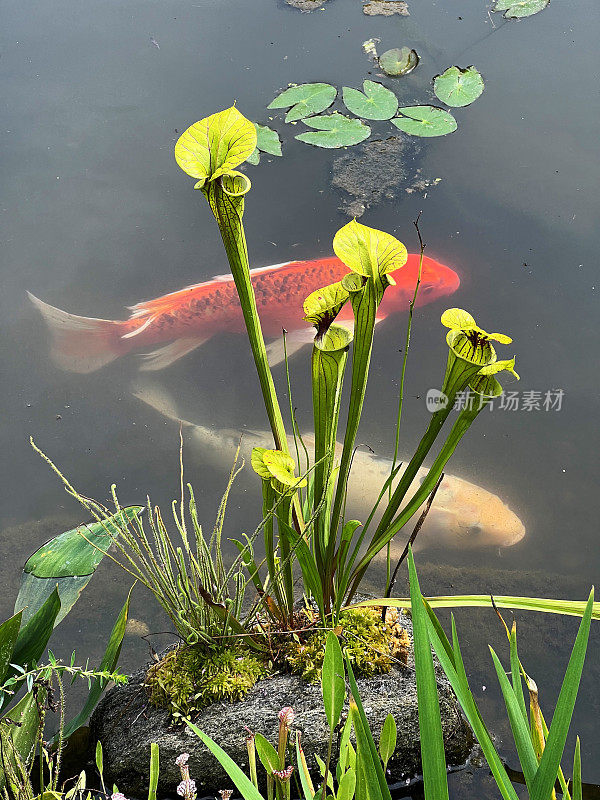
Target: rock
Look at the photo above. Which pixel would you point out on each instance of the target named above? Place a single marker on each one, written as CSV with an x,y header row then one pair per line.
x,y
375,172
386,8
126,726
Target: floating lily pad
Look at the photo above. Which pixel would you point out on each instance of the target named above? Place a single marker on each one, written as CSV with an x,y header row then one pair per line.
x,y
334,130
458,87
267,141
306,99
425,121
520,8
377,102
398,61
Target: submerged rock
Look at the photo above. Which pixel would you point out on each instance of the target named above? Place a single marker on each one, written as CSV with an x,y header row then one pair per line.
x,y
306,5
386,8
126,726
374,172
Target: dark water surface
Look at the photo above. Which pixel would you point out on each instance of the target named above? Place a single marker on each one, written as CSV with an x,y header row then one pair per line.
x,y
98,216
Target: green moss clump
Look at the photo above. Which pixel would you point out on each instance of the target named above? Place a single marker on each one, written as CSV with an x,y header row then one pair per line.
x,y
187,679
371,645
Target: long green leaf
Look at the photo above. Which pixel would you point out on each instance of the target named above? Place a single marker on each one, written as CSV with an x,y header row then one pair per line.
x,y
454,668
518,725
154,770
24,733
577,786
367,784
347,786
515,669
108,663
387,739
308,565
360,718
242,782
267,754
304,776
561,720
571,608
332,680
433,757
35,634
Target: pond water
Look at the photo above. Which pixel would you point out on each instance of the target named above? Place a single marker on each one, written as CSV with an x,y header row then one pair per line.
x,y
98,216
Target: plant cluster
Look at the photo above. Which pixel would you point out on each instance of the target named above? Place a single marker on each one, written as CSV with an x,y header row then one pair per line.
x,y
189,678
372,646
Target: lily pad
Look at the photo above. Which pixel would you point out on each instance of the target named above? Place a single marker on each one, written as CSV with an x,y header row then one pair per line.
x,y
306,99
458,87
398,61
425,121
267,141
334,130
377,102
520,8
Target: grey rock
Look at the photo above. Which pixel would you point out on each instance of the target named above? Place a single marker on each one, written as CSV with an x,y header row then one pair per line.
x,y
306,5
386,8
126,726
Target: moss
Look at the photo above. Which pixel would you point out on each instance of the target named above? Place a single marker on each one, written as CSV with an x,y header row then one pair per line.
x,y
188,678
372,646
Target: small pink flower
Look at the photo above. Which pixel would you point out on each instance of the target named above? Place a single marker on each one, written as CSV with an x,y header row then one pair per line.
x,y
225,793
284,774
286,716
187,789
117,796
182,759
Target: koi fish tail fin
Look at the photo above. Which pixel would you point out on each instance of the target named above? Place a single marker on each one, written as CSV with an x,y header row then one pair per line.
x,y
80,344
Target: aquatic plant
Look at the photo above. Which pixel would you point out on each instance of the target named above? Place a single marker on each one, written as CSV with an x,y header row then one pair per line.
x,y
22,721
360,769
539,749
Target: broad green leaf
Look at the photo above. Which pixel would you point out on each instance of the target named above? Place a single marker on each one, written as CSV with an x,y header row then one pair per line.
x,y
458,87
433,757
398,61
387,740
347,786
24,733
333,683
154,771
281,466
268,755
376,102
35,634
78,551
306,99
68,562
334,130
563,712
9,631
258,464
520,8
323,305
215,145
108,664
425,121
267,141
367,251
243,784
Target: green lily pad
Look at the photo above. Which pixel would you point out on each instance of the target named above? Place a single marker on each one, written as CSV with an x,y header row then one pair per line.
x,y
334,130
425,121
458,87
377,102
306,99
520,8
398,61
267,141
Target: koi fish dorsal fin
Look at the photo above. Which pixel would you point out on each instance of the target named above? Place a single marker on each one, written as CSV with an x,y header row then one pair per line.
x,y
170,353
172,300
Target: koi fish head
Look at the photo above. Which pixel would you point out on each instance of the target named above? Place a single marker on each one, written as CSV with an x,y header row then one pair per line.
x,y
437,280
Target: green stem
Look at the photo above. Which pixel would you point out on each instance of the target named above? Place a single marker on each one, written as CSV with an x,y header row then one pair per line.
x,y
228,213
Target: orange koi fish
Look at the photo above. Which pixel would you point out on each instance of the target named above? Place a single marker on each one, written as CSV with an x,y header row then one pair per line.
x,y
175,324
